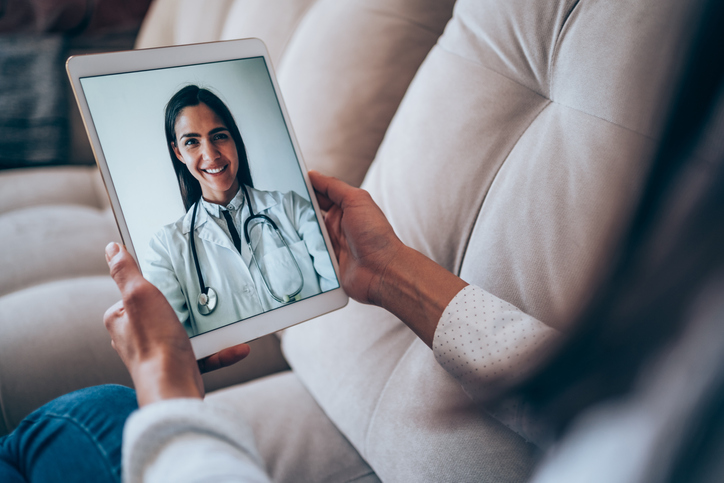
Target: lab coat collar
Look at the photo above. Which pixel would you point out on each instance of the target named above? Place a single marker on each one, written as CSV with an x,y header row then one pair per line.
x,y
201,218
212,232
215,210
260,201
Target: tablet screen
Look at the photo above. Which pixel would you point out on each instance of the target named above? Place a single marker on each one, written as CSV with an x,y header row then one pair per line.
x,y
211,190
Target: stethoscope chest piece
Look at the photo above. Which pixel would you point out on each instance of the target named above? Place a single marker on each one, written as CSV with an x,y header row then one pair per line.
x,y
206,302
207,299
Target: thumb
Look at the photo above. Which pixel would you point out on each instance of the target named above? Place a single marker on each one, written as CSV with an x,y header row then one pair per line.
x,y
122,266
335,190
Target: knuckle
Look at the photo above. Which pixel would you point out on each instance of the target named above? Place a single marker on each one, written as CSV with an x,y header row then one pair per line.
x,y
117,266
364,195
135,291
108,319
112,314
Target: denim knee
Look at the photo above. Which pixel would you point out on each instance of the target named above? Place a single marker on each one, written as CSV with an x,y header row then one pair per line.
x,y
77,437
110,400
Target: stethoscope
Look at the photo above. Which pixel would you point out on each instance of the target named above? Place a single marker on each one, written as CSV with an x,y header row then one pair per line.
x,y
208,298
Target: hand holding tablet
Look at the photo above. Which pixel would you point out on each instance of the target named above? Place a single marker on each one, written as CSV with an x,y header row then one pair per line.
x,y
152,344
209,188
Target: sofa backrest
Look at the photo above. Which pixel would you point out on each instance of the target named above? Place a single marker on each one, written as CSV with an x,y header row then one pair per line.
x,y
514,160
523,142
177,22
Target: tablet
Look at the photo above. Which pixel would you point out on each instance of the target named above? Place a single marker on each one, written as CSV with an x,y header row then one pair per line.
x,y
208,186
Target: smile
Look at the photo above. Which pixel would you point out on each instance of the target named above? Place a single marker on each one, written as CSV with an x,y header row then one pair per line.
x,y
215,171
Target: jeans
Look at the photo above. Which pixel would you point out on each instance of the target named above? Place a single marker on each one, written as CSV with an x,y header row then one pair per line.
x,y
76,437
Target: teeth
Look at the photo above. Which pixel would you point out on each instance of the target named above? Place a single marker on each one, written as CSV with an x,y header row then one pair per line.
x,y
214,171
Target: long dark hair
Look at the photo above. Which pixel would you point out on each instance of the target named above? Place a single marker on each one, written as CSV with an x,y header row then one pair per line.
x,y
193,95
674,248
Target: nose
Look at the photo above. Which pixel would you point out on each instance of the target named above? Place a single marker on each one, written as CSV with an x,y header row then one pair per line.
x,y
209,151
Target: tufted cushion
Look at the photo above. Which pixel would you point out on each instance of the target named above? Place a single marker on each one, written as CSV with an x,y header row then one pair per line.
x,y
175,22
53,242
513,160
57,185
345,72
44,355
297,440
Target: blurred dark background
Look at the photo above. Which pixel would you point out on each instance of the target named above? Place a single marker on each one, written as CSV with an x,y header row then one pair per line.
x,y
39,120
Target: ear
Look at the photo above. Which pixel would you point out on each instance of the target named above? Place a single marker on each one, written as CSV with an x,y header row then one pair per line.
x,y
177,152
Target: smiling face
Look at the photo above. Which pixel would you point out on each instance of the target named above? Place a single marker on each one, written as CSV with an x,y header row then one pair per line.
x,y
204,144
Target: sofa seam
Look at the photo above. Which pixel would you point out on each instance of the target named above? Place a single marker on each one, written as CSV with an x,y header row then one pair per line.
x,y
556,46
407,20
495,177
544,96
482,66
371,471
293,34
550,102
50,281
382,394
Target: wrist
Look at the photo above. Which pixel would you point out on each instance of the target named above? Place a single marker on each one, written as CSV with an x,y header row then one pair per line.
x,y
163,377
416,290
385,274
392,275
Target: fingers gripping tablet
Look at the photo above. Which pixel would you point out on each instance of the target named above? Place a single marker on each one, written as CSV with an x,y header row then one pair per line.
x,y
208,187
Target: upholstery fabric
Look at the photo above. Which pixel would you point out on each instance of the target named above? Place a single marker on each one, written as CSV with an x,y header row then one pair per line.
x,y
345,72
53,242
295,438
172,22
57,185
175,22
513,160
53,341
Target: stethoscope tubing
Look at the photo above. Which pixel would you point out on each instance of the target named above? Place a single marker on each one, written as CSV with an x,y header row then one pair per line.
x,y
208,297
265,219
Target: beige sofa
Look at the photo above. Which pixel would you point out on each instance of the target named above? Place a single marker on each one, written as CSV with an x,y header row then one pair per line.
x,y
507,140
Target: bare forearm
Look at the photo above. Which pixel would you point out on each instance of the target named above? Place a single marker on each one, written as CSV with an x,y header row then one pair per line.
x,y
417,290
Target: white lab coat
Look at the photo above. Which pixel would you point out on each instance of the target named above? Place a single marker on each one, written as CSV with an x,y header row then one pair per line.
x,y
239,285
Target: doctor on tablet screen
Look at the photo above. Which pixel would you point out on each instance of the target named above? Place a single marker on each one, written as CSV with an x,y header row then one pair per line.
x,y
237,251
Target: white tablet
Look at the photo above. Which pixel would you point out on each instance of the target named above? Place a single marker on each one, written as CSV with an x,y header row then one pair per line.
x,y
208,186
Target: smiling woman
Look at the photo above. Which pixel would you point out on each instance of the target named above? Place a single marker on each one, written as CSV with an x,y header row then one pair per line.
x,y
283,258
206,148
198,124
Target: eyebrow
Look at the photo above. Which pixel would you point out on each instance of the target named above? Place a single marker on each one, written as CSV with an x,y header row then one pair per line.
x,y
196,135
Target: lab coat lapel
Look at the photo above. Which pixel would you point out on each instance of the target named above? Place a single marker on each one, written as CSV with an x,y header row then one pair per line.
x,y
260,200
207,229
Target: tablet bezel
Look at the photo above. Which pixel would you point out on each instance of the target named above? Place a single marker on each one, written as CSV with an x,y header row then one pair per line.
x,y
92,65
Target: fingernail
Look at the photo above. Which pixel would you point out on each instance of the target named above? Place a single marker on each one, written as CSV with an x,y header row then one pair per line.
x,y
111,250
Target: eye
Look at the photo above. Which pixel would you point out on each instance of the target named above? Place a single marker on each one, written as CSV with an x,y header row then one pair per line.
x,y
220,136
191,141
